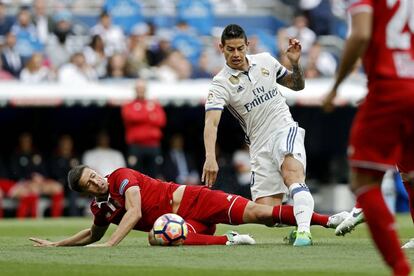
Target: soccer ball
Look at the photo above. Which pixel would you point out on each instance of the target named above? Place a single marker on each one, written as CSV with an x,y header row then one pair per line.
x,y
169,229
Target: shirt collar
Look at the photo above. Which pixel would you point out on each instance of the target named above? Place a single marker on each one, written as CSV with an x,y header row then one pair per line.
x,y
236,72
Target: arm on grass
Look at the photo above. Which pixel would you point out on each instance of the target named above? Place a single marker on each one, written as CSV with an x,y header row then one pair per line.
x,y
129,220
84,237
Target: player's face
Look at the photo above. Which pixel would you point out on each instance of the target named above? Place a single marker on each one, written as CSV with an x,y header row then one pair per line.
x,y
92,183
234,51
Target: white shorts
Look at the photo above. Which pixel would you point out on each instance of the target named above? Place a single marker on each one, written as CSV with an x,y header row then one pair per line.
x,y
267,177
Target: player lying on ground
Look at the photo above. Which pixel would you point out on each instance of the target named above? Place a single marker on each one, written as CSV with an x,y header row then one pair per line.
x,y
134,201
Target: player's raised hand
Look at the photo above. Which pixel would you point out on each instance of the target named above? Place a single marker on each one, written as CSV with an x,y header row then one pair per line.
x,y
327,103
293,51
42,243
210,171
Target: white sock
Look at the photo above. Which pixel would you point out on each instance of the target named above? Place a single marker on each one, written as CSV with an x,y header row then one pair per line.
x,y
302,205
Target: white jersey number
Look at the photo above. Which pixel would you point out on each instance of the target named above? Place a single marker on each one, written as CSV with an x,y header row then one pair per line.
x,y
397,38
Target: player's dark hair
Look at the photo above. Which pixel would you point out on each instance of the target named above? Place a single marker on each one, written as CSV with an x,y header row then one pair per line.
x,y
73,178
233,31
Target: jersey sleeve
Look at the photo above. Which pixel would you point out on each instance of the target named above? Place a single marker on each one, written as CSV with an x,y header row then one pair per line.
x,y
357,6
217,96
124,179
280,70
99,218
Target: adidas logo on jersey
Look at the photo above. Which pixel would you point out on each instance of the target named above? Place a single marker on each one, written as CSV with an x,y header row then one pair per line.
x,y
240,89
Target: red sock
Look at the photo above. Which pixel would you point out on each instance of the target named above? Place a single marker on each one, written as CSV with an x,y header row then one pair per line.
x,y
410,190
381,224
23,207
57,205
201,239
1,207
33,203
284,214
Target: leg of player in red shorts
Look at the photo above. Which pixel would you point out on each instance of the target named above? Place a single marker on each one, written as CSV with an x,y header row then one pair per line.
x,y
203,234
212,207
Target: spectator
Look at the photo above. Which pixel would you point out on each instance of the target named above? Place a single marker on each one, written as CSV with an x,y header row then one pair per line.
x,y
117,67
27,41
319,14
62,43
157,53
125,13
4,75
179,166
187,42
28,167
112,35
77,71
10,57
143,121
41,20
242,167
35,71
175,67
95,55
201,70
138,50
6,22
320,63
213,52
62,161
103,158
299,30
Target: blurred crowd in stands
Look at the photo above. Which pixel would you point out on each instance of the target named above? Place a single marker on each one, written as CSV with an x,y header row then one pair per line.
x,y
47,41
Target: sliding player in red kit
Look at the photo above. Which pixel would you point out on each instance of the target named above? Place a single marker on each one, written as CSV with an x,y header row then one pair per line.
x,y
382,133
134,201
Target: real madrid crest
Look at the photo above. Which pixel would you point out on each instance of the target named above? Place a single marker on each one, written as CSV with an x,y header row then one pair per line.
x,y
234,80
210,97
265,72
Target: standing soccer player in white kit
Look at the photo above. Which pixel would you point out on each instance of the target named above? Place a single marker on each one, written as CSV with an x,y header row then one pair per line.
x,y
248,87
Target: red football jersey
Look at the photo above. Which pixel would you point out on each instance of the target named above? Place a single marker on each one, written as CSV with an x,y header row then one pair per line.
x,y
390,54
156,199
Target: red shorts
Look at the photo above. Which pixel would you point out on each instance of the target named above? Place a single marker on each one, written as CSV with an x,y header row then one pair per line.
x,y
382,134
211,206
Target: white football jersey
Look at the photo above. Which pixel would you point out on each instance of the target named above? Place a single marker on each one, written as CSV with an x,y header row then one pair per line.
x,y
253,98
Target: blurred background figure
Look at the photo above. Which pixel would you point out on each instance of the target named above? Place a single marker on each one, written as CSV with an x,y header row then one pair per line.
x,y
35,71
42,21
242,166
117,67
179,166
5,21
29,168
27,40
112,35
63,160
319,63
77,71
10,57
125,13
174,67
95,55
63,42
103,158
144,120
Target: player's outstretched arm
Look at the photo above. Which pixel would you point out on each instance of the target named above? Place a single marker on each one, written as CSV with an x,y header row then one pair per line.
x,y
210,168
129,220
84,237
294,79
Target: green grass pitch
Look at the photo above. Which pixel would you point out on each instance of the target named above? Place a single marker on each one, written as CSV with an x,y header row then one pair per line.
x,y
350,255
